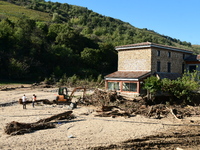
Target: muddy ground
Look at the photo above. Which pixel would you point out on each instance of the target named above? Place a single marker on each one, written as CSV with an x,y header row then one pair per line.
x,y
184,134
185,137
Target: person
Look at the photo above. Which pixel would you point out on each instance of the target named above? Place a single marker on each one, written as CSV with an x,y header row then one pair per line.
x,y
33,100
24,101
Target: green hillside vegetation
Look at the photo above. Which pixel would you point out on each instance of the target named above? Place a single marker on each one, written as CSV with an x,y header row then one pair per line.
x,y
89,23
41,39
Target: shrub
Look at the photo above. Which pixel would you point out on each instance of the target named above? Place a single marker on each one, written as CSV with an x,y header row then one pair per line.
x,y
152,84
182,88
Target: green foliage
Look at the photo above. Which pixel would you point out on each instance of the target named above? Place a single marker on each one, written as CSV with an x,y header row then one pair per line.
x,y
51,80
63,80
90,22
99,78
73,79
90,56
153,84
56,18
15,12
182,88
54,38
17,68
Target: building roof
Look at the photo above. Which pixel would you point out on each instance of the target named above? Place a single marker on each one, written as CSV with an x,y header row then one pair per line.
x,y
149,44
193,58
172,76
127,75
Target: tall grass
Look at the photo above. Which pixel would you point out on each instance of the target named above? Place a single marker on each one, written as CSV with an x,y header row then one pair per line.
x,y
14,12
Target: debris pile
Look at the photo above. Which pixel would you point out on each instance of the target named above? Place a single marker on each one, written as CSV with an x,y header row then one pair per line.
x,y
112,111
99,97
110,104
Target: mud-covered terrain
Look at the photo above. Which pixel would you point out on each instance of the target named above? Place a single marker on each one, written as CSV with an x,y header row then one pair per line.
x,y
103,120
183,137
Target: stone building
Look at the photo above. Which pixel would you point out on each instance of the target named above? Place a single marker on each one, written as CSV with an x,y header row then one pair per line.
x,y
136,62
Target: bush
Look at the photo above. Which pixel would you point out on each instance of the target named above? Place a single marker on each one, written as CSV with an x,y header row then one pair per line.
x,y
182,88
51,80
152,84
73,79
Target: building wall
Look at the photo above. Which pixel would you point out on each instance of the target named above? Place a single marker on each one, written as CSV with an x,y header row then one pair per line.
x,y
134,60
176,59
145,59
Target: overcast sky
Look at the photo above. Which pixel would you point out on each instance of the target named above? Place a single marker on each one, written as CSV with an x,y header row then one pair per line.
x,y
175,18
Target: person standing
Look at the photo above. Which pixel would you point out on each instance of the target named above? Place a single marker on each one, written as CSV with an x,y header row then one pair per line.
x,y
33,100
24,101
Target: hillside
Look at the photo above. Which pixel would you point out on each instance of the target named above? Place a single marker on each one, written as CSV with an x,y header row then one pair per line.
x,y
41,39
14,12
87,21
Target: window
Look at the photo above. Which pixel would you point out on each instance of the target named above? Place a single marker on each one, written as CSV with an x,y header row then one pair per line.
x,y
192,68
169,54
158,66
129,87
183,68
183,56
158,53
113,86
168,67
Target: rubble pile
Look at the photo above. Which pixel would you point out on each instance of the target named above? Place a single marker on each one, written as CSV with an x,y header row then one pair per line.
x,y
99,97
110,104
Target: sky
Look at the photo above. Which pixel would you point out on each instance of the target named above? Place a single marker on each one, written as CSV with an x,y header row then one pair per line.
x,y
178,19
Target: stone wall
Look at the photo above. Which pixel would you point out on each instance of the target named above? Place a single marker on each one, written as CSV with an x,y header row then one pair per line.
x,y
176,60
145,59
134,60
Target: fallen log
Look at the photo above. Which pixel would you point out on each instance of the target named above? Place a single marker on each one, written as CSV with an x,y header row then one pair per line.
x,y
111,111
58,116
44,101
171,111
109,108
113,114
16,128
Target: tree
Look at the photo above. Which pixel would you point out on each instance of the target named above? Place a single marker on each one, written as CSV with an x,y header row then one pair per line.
x,y
6,45
152,85
56,18
90,56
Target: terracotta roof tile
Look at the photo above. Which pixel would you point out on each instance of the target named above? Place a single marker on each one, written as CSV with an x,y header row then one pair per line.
x,y
128,74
